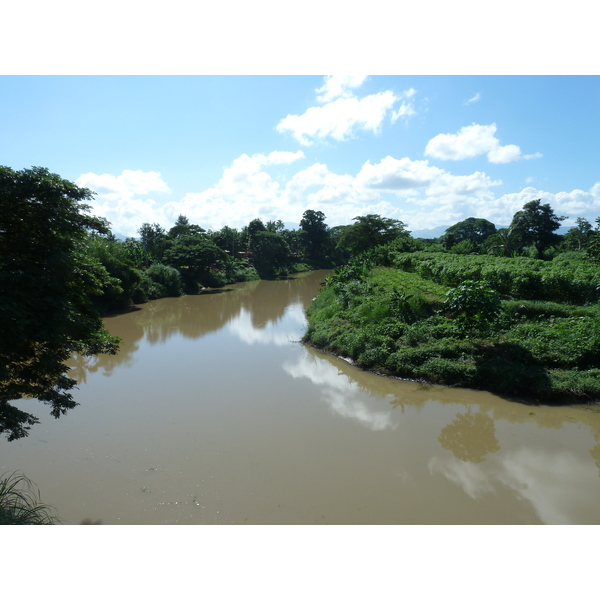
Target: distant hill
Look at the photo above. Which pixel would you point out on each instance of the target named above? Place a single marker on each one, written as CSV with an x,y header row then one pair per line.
x,y
428,234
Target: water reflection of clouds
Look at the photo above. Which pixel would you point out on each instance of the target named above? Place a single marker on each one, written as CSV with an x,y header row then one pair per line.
x,y
339,392
561,487
277,333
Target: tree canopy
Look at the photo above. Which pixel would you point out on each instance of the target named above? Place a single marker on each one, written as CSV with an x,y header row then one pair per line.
x,y
471,230
270,251
47,280
370,231
535,225
317,237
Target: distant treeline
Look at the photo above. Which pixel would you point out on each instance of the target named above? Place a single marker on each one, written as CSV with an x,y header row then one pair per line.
x,y
187,257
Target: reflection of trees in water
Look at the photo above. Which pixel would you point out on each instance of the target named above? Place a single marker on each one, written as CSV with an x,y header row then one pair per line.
x,y
595,451
268,301
595,454
470,437
198,315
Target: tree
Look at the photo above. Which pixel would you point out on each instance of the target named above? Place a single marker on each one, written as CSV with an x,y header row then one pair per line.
x,y
195,257
113,255
253,228
593,248
47,280
184,227
270,251
535,224
228,239
317,235
471,230
505,242
370,231
154,241
275,226
578,237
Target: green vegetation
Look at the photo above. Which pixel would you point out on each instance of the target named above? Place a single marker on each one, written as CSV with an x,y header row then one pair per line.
x,y
20,503
516,311
48,279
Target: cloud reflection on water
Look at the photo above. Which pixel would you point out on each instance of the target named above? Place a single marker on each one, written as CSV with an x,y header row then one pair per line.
x,y
340,392
273,332
561,487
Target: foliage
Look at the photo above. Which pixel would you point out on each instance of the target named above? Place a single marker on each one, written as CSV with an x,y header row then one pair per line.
x,y
471,231
564,280
578,237
473,303
47,280
254,227
535,224
154,241
316,239
593,248
370,231
395,322
184,227
229,240
505,242
114,257
271,252
196,258
20,502
159,281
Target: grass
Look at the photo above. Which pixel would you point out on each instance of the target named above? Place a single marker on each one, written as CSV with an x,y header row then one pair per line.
x,y
20,502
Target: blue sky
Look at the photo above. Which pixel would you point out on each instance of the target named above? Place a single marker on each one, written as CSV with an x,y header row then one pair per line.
x,y
427,150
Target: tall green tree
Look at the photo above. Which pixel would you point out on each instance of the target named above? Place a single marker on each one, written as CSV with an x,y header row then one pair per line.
x,y
196,258
114,256
229,240
184,227
578,237
154,241
471,230
271,252
370,231
253,228
317,235
535,225
47,280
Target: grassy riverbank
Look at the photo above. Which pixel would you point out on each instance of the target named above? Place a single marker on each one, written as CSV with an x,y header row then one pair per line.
x,y
400,323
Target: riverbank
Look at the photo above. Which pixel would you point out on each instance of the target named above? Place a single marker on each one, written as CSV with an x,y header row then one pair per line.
x,y
161,281
399,323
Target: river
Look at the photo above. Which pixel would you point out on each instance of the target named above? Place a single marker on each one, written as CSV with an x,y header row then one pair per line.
x,y
214,413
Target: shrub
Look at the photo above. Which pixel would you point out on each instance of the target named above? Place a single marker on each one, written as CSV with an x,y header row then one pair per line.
x,y
474,303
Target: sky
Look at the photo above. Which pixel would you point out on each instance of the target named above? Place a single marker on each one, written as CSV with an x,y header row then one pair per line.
x,y
225,149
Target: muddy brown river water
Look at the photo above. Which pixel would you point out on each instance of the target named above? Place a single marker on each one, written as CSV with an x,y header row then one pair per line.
x,y
213,413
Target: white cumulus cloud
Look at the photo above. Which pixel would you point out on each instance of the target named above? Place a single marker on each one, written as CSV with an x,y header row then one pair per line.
x,y
344,113
336,86
474,140
118,200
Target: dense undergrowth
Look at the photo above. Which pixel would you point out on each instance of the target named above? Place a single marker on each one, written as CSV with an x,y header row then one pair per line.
x,y
518,327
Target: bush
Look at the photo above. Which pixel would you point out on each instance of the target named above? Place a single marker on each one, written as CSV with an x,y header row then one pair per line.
x,y
159,281
474,303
